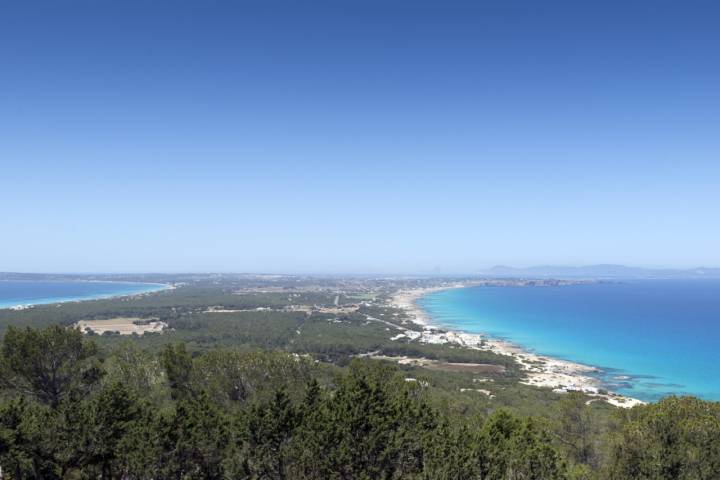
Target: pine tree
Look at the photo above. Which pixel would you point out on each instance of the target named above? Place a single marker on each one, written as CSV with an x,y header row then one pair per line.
x,y
270,430
48,364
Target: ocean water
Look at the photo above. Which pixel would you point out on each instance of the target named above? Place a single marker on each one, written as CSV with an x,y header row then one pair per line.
x,y
652,338
13,293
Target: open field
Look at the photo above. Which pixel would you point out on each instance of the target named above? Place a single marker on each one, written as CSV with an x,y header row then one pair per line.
x,y
121,326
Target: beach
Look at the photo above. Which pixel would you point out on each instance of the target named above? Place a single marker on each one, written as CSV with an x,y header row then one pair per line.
x,y
25,294
561,376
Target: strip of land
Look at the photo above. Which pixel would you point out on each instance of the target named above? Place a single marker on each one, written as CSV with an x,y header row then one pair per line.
x,y
541,371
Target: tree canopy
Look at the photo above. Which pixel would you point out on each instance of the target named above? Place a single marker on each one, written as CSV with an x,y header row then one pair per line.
x,y
271,415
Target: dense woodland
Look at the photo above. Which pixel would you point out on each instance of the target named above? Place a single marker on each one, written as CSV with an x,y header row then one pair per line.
x,y
283,395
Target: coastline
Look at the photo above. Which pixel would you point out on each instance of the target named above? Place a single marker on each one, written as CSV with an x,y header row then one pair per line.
x,y
84,298
542,371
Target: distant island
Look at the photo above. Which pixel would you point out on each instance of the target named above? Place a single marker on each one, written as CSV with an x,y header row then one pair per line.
x,y
603,271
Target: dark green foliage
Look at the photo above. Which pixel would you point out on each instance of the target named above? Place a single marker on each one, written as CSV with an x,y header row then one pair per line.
x,y
451,453
178,367
48,364
372,427
194,440
23,439
112,417
577,429
677,438
277,415
513,448
93,436
269,431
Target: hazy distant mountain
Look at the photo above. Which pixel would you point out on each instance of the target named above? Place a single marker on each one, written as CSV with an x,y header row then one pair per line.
x,y
601,271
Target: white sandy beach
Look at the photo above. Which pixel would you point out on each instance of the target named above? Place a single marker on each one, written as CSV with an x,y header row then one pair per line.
x,y
542,371
59,301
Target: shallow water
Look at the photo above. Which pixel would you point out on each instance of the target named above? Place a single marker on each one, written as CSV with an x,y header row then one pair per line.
x,y
651,338
13,293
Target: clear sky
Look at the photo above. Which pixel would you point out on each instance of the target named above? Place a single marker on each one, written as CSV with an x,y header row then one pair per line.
x,y
358,135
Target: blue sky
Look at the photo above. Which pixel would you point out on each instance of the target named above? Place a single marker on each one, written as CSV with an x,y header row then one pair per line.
x,y
358,136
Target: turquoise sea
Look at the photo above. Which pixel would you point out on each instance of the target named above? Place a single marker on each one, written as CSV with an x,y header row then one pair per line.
x,y
14,293
651,338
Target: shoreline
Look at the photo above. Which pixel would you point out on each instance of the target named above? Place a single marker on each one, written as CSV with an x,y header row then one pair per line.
x,y
561,376
61,300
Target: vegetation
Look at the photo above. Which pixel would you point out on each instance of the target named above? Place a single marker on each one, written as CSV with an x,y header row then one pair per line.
x,y
253,380
67,413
